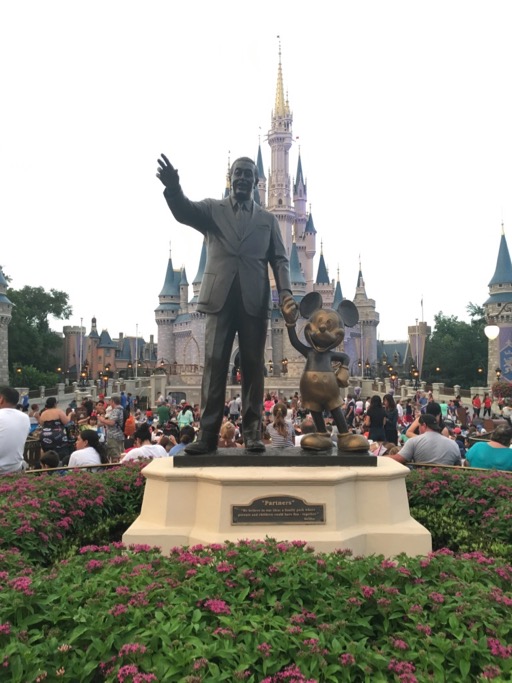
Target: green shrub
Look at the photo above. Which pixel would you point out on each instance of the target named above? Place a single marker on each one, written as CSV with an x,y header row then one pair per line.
x,y
464,510
46,517
257,611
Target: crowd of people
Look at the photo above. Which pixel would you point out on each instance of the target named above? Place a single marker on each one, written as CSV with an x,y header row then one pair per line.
x,y
116,430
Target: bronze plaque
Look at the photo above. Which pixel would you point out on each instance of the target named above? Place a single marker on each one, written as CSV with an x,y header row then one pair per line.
x,y
278,510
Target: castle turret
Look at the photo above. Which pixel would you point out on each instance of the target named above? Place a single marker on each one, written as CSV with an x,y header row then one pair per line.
x,y
260,192
309,240
196,282
167,311
183,292
280,141
301,218
5,319
368,321
498,313
297,279
323,285
338,295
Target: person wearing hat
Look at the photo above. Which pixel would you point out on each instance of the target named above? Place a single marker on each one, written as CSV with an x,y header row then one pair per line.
x,y
429,447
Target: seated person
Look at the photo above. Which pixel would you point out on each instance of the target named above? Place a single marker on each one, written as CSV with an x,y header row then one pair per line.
x,y
280,430
14,429
227,436
144,448
89,450
429,447
187,435
494,454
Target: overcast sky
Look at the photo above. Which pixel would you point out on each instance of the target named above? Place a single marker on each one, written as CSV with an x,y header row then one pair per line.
x,y
403,112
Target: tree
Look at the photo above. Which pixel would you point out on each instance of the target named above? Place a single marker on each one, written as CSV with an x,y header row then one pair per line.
x,y
458,349
31,341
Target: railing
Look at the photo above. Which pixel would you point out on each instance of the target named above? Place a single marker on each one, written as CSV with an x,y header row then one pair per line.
x,y
106,466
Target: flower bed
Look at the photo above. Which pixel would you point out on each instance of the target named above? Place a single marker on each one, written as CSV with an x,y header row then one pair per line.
x,y
46,517
463,509
253,611
257,611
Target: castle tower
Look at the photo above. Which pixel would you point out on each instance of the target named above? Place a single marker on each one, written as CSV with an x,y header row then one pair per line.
x,y
368,321
73,350
338,295
261,191
183,291
167,311
300,196
297,279
5,319
280,140
498,313
92,350
309,239
196,282
323,285
418,334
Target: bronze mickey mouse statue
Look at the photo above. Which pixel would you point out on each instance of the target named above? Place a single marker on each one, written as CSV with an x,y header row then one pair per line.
x,y
319,384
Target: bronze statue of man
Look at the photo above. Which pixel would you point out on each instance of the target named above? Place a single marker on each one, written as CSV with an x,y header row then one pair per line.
x,y
242,240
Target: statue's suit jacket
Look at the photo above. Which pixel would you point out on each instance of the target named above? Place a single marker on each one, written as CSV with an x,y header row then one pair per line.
x,y
230,253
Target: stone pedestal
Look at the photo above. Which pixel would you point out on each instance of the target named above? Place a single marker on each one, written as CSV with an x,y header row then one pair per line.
x,y
361,508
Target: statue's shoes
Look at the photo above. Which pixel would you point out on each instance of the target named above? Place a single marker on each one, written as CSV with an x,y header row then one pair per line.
x,y
254,446
319,441
200,448
353,443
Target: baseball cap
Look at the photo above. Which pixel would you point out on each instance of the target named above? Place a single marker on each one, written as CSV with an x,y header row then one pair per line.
x,y
457,430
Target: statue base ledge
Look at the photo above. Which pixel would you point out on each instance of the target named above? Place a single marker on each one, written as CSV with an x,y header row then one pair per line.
x,y
276,457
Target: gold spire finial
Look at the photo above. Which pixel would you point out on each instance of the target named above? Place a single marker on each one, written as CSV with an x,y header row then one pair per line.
x,y
338,272
502,227
280,106
321,247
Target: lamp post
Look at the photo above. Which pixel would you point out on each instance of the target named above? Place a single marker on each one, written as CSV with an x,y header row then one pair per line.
x,y
367,368
270,368
498,373
284,366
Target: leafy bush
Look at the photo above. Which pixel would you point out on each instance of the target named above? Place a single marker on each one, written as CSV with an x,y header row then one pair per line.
x,y
257,611
464,510
502,389
46,517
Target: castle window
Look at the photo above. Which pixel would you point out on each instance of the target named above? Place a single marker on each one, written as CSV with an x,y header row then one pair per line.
x,y
280,202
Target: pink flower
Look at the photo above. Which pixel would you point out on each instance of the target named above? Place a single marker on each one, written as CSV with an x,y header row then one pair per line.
x,y
400,644
346,659
5,628
131,648
265,649
367,591
217,606
93,564
499,650
436,597
201,663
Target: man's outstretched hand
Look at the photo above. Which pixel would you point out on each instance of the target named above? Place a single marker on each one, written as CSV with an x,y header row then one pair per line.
x,y
167,174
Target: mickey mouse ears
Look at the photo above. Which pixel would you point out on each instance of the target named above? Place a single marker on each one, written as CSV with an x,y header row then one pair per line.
x,y
346,310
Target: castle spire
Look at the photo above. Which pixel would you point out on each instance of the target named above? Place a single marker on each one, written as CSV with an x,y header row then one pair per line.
x,y
281,104
227,190
503,273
